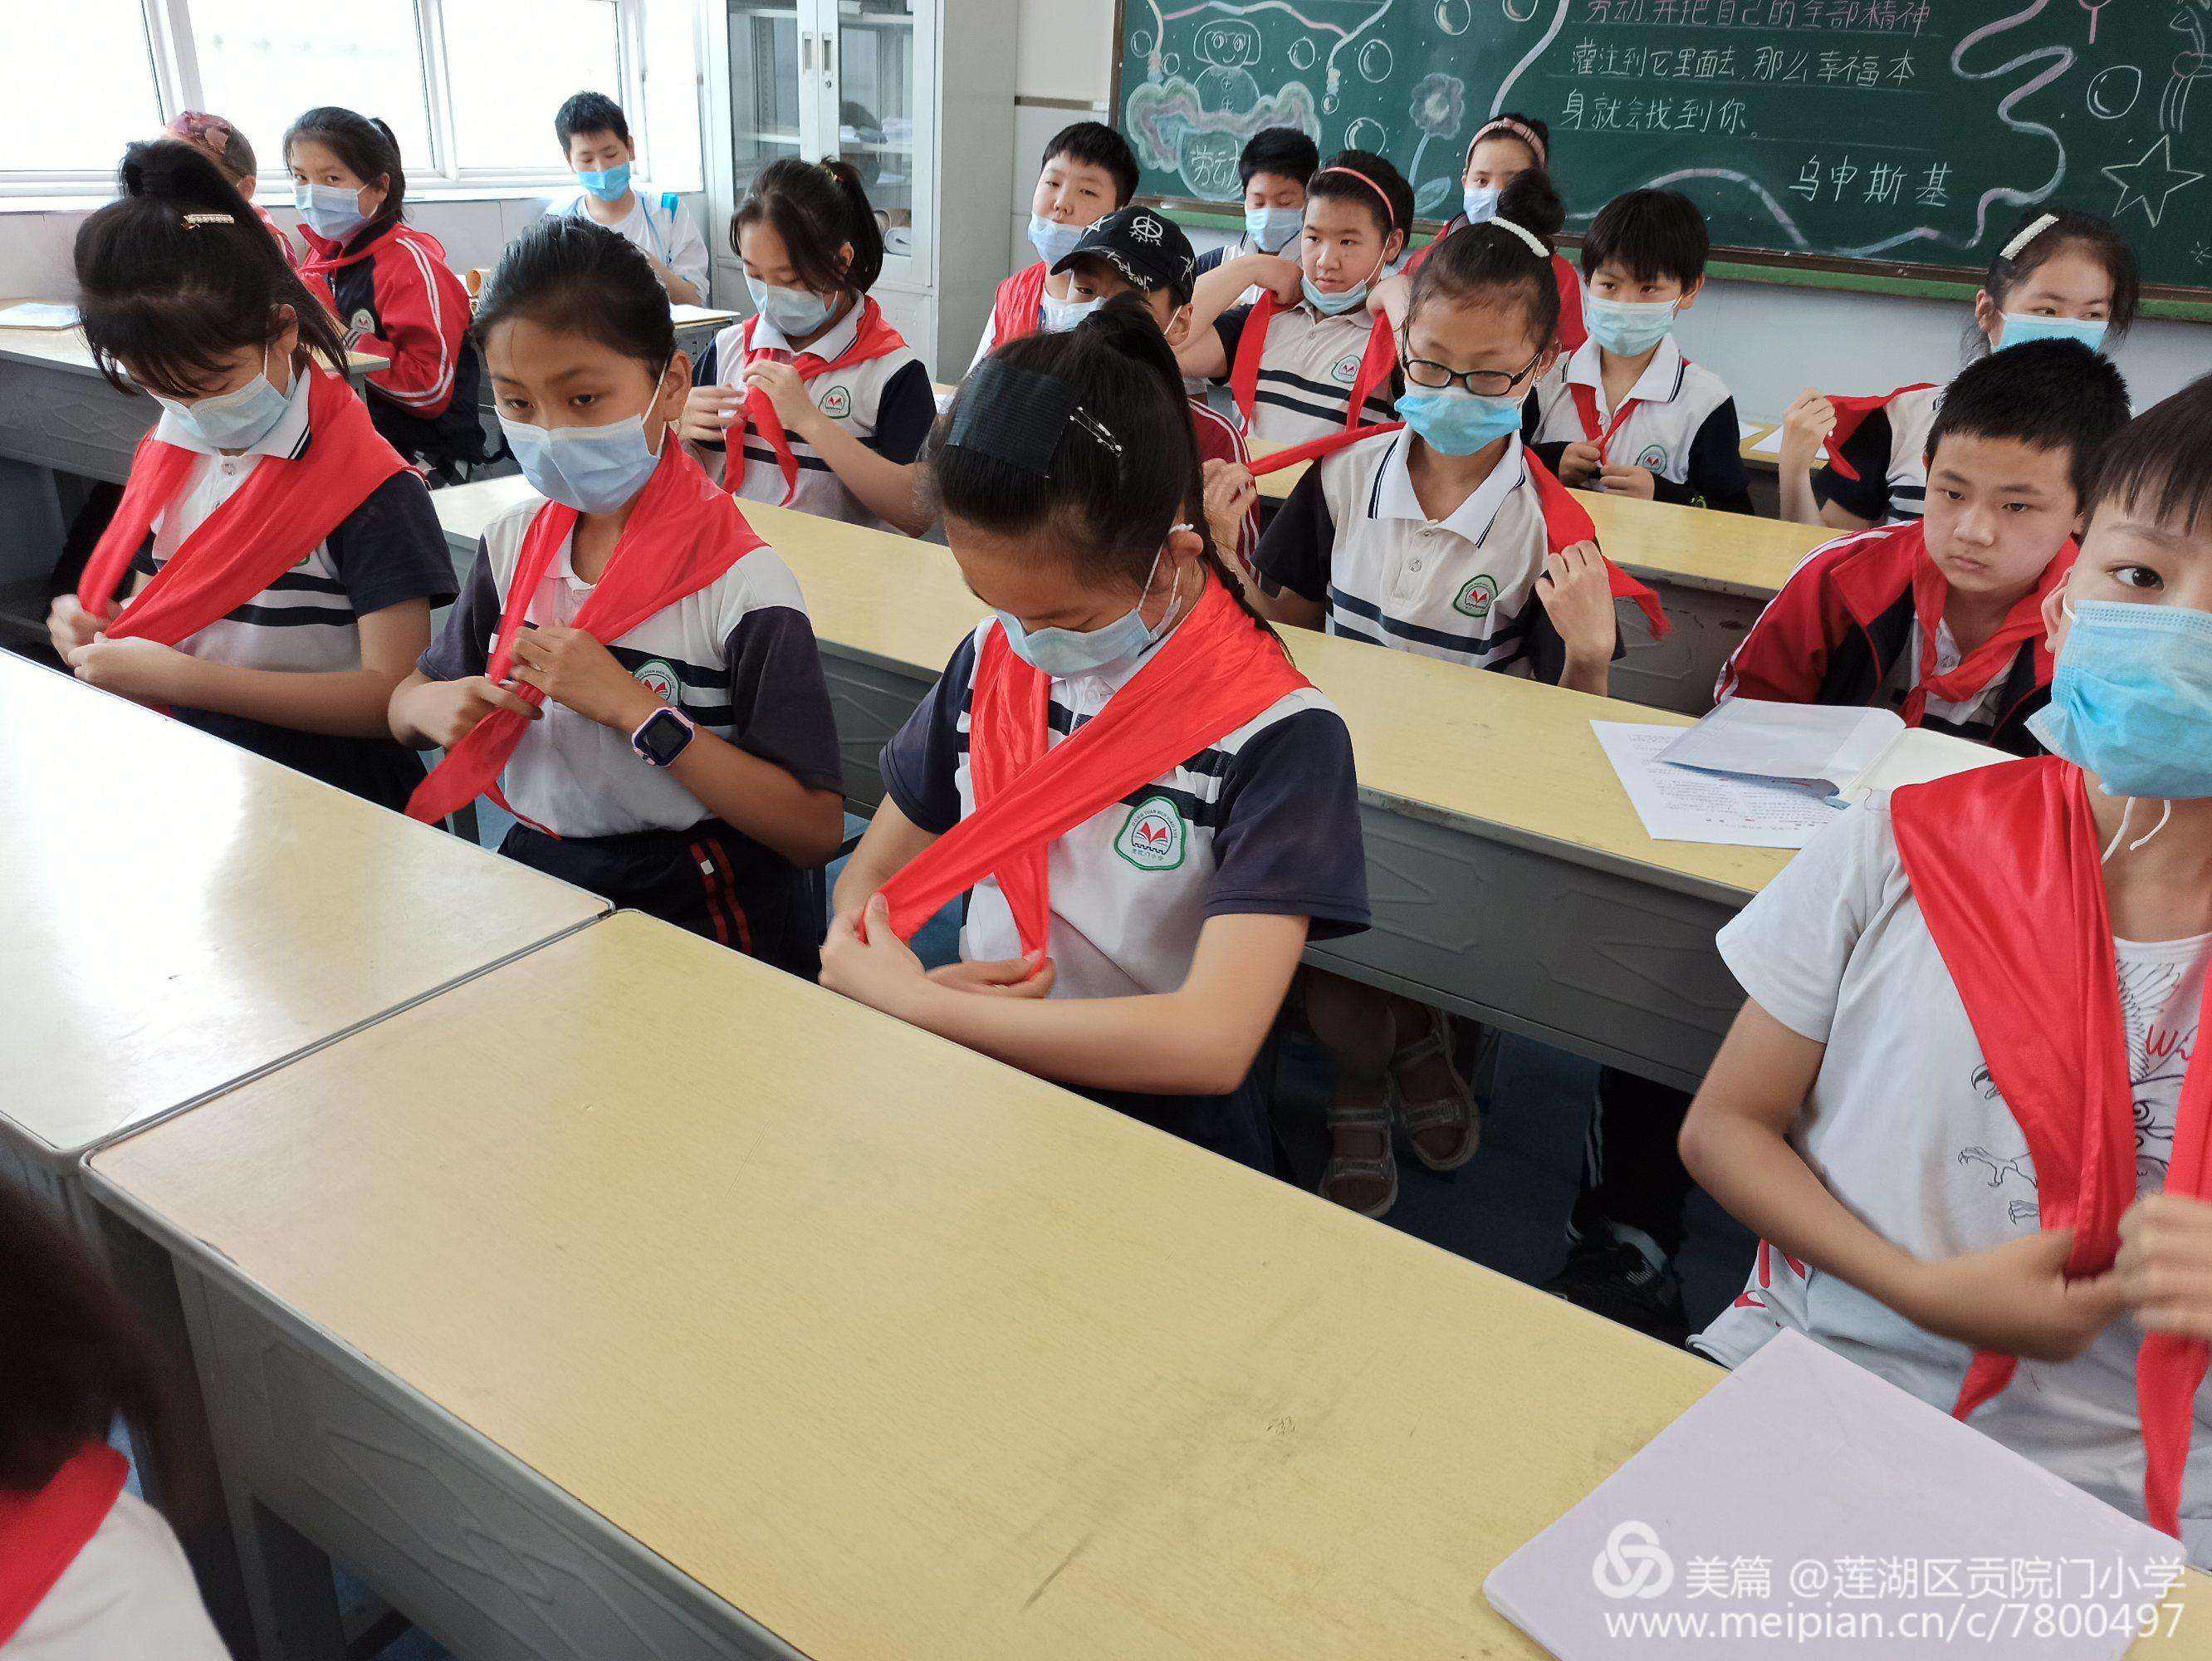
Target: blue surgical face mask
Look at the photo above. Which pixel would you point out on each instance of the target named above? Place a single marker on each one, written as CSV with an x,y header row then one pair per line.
x,y
1058,316
1333,305
608,184
1061,653
1628,328
331,211
1052,240
1454,422
2020,328
235,420
1481,203
594,470
2131,701
795,312
1271,228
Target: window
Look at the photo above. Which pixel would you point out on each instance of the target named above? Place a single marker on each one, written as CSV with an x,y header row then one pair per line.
x,y
52,110
672,94
264,62
511,63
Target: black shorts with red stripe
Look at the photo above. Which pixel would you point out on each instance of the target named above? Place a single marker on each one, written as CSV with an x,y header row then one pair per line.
x,y
711,878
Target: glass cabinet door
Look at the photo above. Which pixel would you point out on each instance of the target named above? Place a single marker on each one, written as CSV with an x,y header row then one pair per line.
x,y
870,75
766,93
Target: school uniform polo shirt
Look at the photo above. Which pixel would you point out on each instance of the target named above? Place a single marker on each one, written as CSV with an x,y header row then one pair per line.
x,y
1889,452
1353,536
1682,429
656,223
1266,819
1306,371
887,404
738,656
389,549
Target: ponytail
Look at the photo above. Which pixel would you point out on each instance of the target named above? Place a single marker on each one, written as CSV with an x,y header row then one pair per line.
x,y
861,229
817,208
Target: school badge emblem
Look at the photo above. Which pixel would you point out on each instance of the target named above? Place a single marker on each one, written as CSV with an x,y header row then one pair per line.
x,y
363,322
1346,369
661,678
1151,837
837,403
1654,458
1474,600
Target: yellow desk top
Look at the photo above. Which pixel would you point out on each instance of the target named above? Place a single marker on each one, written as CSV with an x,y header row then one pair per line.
x,y
176,913
66,348
1511,756
899,1351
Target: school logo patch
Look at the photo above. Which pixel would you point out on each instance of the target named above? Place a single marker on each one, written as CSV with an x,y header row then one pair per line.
x,y
661,678
1474,600
837,403
363,321
1151,838
1654,458
1346,369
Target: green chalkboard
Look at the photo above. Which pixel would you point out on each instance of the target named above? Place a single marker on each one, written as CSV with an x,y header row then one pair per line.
x,y
1882,137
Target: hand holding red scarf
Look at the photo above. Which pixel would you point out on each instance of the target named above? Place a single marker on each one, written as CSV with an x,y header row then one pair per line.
x,y
874,338
1851,412
1376,363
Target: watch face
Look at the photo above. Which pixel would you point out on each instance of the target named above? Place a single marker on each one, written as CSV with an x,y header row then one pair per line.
x,y
663,738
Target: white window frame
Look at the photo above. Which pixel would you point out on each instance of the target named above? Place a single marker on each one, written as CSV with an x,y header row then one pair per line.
x,y
174,56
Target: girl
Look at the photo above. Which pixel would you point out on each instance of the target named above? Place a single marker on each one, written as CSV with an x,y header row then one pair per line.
x,y
87,1571
2027,944
828,403
660,725
1153,809
1449,539
225,146
2061,274
274,559
388,285
1307,359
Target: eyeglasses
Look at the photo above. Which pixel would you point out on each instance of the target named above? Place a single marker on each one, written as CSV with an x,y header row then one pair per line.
x,y
1484,383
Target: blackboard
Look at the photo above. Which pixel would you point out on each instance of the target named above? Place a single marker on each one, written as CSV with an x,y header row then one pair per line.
x,y
1870,136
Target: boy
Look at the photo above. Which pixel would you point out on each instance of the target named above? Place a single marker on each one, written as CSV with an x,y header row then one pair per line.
x,y
1970,1047
1276,163
595,141
1089,171
1627,413
1879,617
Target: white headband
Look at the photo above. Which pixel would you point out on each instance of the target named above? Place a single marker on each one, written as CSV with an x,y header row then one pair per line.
x,y
2028,234
1535,243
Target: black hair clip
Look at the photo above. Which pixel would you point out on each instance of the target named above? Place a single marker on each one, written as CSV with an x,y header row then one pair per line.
x,y
1016,416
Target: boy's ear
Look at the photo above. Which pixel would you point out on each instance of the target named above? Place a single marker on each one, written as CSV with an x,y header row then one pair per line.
x,y
1178,329
1690,295
1392,245
2054,616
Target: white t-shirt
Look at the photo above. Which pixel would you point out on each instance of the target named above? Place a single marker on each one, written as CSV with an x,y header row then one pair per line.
x,y
656,223
1904,1126
1980,710
128,1595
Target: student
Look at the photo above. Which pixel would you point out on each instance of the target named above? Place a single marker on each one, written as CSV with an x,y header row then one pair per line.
x,y
1448,539
660,725
388,285
1273,168
830,403
1089,171
225,146
1145,255
1628,413
88,1572
271,568
1143,888
1970,1058
1307,359
2061,274
595,141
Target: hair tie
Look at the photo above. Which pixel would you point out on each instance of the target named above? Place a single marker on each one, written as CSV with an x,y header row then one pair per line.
x,y
2028,233
1506,124
1535,243
1389,212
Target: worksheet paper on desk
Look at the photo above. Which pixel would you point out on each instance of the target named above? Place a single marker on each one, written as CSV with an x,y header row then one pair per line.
x,y
1769,446
1682,804
1805,1507
38,314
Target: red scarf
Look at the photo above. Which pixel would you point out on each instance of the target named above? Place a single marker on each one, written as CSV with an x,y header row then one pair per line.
x,y
1015,309
1850,415
1215,672
2048,1020
874,337
1566,521
42,1533
683,532
284,509
2023,623
1586,407
1375,364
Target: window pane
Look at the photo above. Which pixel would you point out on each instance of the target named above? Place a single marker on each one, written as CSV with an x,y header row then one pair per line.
x,y
264,62
511,63
672,94
80,87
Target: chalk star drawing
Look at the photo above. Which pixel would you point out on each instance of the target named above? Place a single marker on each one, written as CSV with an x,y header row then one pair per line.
x,y
2150,180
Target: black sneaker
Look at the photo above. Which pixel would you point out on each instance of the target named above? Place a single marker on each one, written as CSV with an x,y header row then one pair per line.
x,y
1612,1278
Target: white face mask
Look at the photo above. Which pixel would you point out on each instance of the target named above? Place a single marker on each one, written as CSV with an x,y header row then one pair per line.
x,y
1058,316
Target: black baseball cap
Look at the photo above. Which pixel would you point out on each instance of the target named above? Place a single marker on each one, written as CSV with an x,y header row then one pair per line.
x,y
1146,246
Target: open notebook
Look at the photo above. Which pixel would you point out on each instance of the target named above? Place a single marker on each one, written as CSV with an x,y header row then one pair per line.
x,y
1841,751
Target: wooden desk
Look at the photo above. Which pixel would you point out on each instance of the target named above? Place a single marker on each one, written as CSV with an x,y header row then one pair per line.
x,y
697,325
1511,881
578,1343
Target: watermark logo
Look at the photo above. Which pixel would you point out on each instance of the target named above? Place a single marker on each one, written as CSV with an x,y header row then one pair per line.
x,y
1633,1563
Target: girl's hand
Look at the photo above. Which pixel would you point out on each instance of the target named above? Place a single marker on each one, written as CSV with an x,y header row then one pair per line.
x,y
1806,425
1031,976
1580,463
707,413
135,668
862,959
1231,491
1627,482
574,670
69,625
2165,1266
447,711
786,391
2016,1299
1577,594
1387,297
1283,278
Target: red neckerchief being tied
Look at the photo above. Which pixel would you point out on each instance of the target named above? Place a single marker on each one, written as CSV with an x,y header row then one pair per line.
x,y
872,338
1376,363
285,509
1851,412
1016,307
1216,671
2022,625
683,532
2006,865
41,1533
1593,429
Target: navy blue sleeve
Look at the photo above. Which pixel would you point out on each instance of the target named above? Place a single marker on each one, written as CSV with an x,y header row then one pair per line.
x,y
463,647
905,415
1208,261
703,371
1716,479
779,702
1288,843
1868,451
1299,548
391,549
1230,325
921,762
